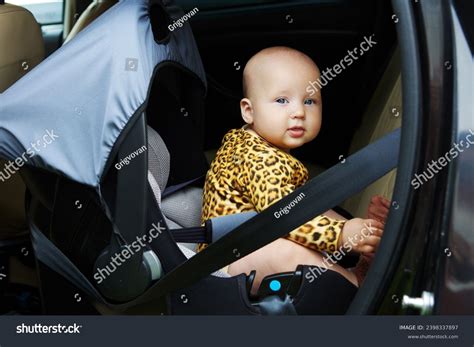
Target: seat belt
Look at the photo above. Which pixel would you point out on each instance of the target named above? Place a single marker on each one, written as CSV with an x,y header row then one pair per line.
x,y
315,197
173,189
192,235
213,230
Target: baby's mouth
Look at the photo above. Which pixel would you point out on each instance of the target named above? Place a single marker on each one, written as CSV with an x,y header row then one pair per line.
x,y
296,132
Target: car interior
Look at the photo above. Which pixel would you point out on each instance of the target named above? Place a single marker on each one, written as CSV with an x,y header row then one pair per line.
x,y
361,105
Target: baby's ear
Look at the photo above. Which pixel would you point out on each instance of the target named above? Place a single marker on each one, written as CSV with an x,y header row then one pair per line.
x,y
246,110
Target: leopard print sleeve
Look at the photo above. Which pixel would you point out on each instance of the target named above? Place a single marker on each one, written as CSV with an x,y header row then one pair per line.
x,y
271,175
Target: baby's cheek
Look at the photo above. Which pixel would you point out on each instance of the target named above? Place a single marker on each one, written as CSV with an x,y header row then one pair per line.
x,y
312,133
275,137
314,128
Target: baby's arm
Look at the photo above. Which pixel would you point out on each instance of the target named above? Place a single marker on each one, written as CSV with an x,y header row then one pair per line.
x,y
321,233
334,215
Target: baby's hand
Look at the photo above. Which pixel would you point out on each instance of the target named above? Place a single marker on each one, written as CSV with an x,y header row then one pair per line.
x,y
378,208
363,234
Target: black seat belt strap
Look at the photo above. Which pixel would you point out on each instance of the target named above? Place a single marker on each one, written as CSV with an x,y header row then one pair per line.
x,y
191,235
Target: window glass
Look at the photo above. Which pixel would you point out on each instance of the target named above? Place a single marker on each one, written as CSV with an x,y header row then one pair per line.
x,y
45,11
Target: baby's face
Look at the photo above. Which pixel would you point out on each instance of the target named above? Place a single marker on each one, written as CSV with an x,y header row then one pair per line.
x,y
282,111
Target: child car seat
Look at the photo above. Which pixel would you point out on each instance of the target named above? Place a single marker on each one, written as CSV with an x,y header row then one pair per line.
x,y
96,183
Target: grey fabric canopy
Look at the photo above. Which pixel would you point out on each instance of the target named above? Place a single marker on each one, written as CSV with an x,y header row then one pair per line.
x,y
67,113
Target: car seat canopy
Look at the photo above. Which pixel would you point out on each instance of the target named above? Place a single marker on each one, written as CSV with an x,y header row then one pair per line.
x,y
89,90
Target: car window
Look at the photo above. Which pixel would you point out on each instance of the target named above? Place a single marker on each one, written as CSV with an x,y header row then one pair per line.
x,y
46,12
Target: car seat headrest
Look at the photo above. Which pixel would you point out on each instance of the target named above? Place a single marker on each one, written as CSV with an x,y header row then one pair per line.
x,y
158,158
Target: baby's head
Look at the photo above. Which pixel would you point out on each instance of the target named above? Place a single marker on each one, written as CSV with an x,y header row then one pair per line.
x,y
276,104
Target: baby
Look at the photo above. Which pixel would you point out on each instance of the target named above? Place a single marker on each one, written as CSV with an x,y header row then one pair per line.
x,y
253,168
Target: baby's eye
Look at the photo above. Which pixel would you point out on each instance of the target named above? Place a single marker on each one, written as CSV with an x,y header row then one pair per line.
x,y
310,102
281,101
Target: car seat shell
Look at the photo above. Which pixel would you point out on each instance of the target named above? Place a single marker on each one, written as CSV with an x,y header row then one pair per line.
x,y
101,83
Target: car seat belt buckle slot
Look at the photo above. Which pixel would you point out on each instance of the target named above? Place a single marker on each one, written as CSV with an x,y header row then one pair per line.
x,y
281,284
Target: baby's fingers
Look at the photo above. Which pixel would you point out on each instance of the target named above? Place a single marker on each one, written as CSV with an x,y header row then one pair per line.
x,y
378,208
370,245
374,223
368,256
380,200
385,202
367,249
374,226
377,211
371,241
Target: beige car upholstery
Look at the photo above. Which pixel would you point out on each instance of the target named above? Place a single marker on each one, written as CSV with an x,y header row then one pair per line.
x,y
70,17
383,115
21,49
21,44
94,10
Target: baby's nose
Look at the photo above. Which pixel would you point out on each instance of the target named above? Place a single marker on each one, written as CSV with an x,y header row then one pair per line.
x,y
298,113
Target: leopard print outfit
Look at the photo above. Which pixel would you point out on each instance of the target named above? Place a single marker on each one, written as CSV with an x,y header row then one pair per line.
x,y
250,174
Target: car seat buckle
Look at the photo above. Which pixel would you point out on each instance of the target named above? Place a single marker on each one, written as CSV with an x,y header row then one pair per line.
x,y
281,284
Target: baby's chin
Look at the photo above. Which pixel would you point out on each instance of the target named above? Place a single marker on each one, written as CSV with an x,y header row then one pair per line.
x,y
291,144
287,143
